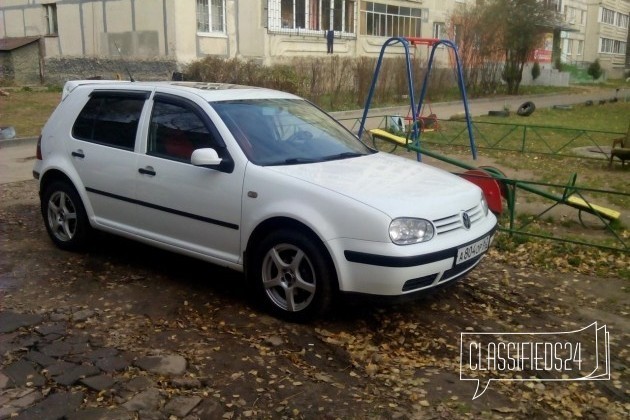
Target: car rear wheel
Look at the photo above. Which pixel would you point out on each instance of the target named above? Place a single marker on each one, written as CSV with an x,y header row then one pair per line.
x,y
64,216
292,275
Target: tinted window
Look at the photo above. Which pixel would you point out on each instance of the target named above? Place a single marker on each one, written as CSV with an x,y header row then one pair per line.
x,y
176,131
110,120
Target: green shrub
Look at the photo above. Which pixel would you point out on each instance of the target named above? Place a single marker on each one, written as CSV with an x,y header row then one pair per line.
x,y
595,69
535,70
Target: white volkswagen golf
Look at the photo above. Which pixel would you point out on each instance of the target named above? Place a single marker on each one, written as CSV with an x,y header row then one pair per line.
x,y
257,180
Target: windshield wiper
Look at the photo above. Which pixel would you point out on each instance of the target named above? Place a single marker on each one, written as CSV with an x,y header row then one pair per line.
x,y
297,161
344,155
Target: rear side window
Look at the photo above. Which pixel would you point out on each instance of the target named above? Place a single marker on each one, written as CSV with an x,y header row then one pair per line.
x,y
110,118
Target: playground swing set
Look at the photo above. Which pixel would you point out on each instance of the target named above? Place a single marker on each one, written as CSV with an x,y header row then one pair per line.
x,y
496,186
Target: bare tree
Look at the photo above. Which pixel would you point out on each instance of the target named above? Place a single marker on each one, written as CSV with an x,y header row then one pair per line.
x,y
479,48
500,33
523,24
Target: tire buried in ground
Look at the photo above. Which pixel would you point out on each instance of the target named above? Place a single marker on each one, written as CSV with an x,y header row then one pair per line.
x,y
526,109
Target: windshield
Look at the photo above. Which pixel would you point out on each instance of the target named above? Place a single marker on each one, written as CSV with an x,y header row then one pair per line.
x,y
287,131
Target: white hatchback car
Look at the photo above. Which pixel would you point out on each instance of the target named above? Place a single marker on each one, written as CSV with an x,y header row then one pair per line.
x,y
259,181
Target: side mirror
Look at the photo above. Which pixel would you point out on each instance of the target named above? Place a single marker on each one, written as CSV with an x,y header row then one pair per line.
x,y
205,157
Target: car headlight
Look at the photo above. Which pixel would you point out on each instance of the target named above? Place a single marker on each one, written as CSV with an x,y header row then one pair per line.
x,y
406,231
484,205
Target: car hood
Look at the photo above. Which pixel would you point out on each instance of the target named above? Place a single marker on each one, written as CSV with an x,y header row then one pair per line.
x,y
397,186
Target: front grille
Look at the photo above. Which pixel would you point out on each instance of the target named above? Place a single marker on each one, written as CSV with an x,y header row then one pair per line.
x,y
454,222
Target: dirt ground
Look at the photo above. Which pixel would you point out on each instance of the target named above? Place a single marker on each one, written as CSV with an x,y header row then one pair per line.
x,y
361,361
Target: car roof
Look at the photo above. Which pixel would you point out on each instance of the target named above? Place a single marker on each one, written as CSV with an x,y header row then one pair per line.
x,y
208,91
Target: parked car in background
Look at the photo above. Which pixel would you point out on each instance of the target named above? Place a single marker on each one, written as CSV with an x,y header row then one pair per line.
x,y
259,181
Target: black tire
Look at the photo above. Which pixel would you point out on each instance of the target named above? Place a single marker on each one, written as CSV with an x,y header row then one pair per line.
x,y
65,217
526,109
297,291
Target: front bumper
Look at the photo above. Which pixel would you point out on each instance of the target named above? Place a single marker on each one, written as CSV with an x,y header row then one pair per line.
x,y
377,273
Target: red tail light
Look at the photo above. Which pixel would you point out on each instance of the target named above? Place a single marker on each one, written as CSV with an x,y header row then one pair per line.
x,y
39,148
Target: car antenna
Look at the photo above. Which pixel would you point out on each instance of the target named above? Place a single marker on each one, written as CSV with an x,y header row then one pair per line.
x,y
131,79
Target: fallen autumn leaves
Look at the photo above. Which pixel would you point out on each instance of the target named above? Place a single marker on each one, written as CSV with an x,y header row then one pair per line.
x,y
362,361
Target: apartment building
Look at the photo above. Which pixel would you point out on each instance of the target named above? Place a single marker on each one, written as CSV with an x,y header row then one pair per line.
x,y
175,32
607,35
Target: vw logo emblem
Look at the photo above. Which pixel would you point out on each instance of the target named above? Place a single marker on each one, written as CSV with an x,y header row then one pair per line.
x,y
466,220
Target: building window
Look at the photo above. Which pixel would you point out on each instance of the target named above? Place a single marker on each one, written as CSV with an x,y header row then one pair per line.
x,y
386,20
607,16
622,20
312,16
439,30
50,11
211,16
580,47
612,46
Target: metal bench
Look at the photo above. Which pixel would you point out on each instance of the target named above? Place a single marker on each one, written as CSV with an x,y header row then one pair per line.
x,y
623,151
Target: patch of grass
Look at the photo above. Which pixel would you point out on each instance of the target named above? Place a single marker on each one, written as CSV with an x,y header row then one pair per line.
x,y
27,110
609,117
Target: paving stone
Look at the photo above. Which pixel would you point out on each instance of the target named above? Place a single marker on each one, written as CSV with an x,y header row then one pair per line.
x,y
7,411
55,406
4,381
40,358
6,342
52,337
11,321
148,400
101,353
112,364
139,383
173,365
100,413
27,341
60,367
79,372
12,394
12,407
59,317
54,328
186,382
27,399
98,382
57,349
82,338
209,409
82,315
181,406
23,372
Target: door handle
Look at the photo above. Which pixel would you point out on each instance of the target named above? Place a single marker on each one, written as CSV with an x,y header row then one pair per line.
x,y
147,171
78,153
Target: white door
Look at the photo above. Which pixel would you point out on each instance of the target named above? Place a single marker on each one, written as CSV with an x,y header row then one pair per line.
x,y
102,152
193,208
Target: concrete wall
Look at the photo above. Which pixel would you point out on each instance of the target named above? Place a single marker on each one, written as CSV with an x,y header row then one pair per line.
x,y
58,70
21,65
548,76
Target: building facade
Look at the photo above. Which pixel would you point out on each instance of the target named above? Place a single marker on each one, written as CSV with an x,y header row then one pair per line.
x,y
175,32
607,35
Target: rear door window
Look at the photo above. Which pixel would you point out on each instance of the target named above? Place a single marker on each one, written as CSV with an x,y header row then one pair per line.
x,y
110,118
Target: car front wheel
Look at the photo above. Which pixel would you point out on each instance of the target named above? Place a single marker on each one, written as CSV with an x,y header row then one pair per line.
x,y
293,276
64,216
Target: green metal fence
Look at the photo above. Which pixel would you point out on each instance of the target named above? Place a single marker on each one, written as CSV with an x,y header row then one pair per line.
x,y
558,141
523,138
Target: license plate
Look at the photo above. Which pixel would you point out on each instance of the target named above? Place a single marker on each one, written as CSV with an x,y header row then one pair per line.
x,y
473,250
